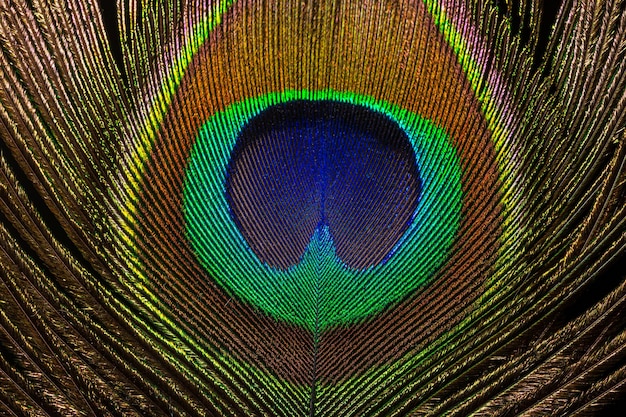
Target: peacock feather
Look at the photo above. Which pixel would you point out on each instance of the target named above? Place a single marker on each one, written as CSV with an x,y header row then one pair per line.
x,y
312,208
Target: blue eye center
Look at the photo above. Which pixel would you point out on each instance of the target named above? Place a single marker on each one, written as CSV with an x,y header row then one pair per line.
x,y
301,166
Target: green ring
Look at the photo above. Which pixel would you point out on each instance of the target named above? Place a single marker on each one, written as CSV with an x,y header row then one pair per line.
x,y
320,291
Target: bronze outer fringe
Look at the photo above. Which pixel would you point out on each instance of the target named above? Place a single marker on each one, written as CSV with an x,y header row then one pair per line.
x,y
389,50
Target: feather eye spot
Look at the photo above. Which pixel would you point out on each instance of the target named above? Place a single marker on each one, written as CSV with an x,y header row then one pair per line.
x,y
329,192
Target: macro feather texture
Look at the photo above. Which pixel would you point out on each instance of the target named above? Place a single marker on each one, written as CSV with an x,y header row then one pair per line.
x,y
314,208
